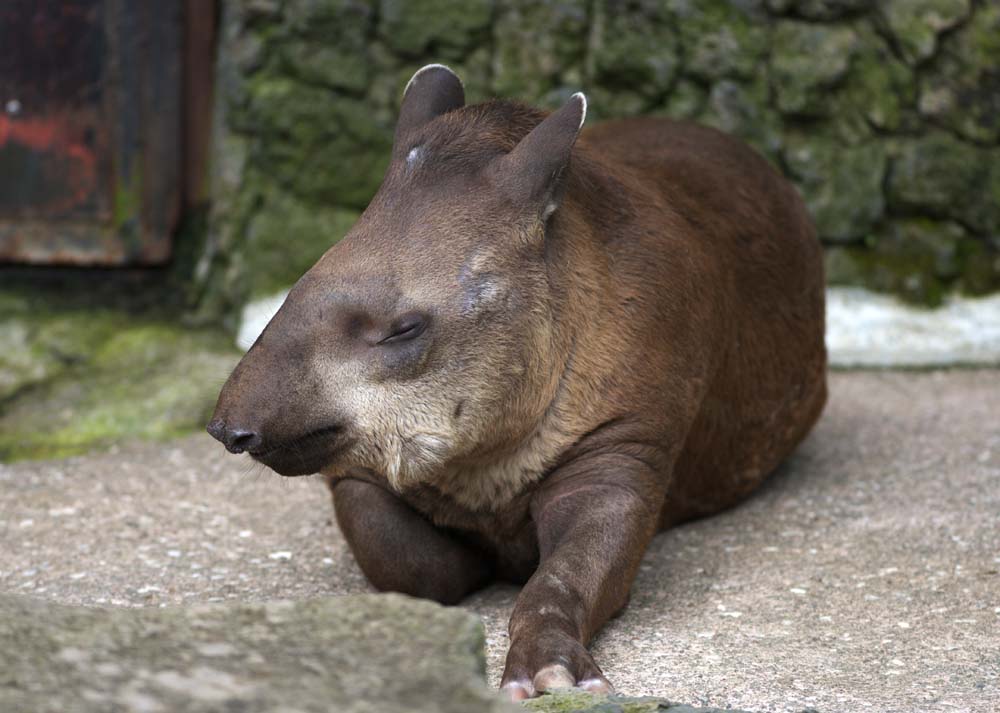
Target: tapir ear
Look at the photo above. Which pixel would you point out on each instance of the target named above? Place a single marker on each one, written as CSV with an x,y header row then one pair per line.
x,y
432,91
534,169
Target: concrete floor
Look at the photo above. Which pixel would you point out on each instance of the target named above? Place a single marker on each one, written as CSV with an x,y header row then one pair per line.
x,y
863,577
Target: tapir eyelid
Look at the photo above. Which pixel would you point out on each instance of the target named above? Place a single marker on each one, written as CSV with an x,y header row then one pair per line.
x,y
408,328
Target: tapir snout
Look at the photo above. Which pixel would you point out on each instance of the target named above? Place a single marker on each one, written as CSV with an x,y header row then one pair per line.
x,y
263,432
295,400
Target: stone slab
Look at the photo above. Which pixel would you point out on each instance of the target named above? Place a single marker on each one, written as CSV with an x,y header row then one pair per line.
x,y
357,654
872,330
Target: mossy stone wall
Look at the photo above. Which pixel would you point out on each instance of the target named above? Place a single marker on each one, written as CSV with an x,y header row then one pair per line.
x,y
885,114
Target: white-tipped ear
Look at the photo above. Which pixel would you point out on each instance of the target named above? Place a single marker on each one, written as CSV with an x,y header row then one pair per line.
x,y
534,169
428,67
583,99
433,90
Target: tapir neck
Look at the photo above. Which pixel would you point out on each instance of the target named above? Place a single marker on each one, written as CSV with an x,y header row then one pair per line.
x,y
594,208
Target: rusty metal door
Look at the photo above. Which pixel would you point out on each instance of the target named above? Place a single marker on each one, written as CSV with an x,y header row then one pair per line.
x,y
90,130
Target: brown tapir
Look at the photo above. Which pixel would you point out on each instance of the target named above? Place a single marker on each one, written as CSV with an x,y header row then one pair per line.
x,y
536,348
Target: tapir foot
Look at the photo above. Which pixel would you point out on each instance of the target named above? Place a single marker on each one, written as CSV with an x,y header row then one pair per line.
x,y
550,663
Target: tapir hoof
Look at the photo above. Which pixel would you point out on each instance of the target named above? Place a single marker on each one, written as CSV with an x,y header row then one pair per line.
x,y
530,671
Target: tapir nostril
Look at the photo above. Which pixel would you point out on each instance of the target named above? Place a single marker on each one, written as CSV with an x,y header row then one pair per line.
x,y
217,429
239,440
236,440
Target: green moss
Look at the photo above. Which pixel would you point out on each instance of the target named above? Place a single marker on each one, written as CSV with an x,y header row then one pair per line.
x,y
126,208
336,21
961,90
841,184
613,104
327,66
37,346
884,114
916,24
450,26
980,271
578,701
539,47
686,100
742,109
636,51
327,43
314,144
819,9
807,60
938,175
911,278
107,376
933,243
721,39
879,89
286,237
128,198
919,259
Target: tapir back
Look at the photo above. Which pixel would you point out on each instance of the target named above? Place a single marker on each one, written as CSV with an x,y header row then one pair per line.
x,y
721,232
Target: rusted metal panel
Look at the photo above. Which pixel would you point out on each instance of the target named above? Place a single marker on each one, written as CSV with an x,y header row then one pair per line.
x,y
90,130
200,23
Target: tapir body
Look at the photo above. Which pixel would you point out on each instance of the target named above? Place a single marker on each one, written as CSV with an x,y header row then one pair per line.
x,y
537,348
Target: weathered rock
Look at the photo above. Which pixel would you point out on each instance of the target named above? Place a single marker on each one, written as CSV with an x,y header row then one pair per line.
x,y
916,24
916,258
324,148
842,185
938,175
286,236
721,38
638,50
539,46
360,653
808,59
939,243
449,26
980,265
605,103
76,380
910,279
686,100
35,347
962,89
819,9
868,330
309,93
741,110
328,43
880,90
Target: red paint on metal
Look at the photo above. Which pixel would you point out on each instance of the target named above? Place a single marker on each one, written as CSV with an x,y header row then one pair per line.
x,y
55,135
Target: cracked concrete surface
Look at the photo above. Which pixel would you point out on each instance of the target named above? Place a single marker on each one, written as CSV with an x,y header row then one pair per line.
x,y
864,576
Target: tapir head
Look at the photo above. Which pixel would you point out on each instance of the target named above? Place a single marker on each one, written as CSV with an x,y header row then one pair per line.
x,y
427,335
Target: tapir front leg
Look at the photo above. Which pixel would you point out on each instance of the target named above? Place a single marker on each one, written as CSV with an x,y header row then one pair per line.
x,y
401,551
595,519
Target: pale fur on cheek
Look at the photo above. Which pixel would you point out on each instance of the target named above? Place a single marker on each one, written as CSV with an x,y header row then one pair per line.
x,y
399,435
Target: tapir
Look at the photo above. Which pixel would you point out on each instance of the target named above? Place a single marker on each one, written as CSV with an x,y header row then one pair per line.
x,y
538,346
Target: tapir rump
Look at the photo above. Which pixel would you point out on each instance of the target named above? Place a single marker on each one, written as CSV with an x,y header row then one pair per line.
x,y
539,346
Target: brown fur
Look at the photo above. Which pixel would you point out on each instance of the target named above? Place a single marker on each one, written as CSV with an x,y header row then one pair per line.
x,y
647,354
